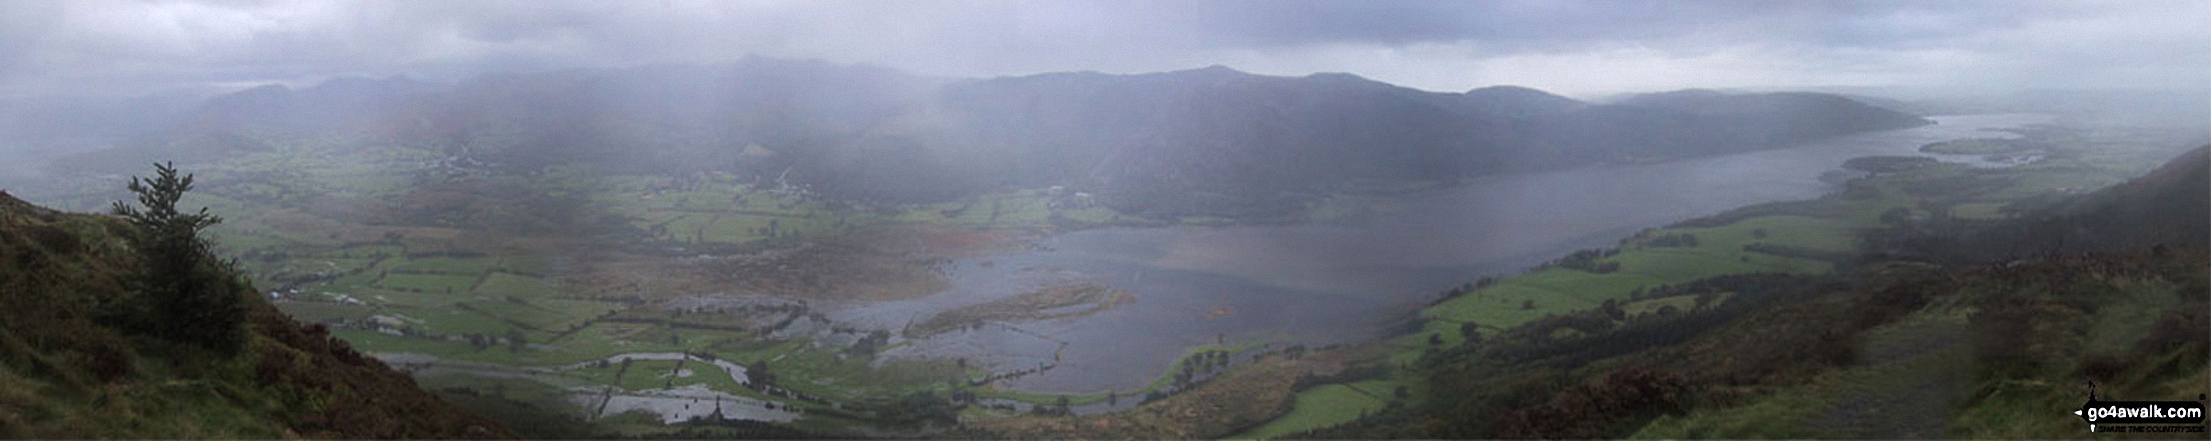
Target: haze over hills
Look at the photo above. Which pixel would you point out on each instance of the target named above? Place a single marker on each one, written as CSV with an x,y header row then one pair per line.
x,y
1229,219
1203,141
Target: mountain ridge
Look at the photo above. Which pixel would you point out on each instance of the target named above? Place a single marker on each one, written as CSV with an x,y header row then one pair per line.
x,y
1200,141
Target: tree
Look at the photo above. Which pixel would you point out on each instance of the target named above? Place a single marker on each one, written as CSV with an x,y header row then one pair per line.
x,y
759,373
516,341
184,293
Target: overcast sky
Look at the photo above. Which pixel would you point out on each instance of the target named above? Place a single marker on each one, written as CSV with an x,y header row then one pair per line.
x,y
1578,48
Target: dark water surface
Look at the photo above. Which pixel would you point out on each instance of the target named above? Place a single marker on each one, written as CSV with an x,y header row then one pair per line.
x,y
1322,284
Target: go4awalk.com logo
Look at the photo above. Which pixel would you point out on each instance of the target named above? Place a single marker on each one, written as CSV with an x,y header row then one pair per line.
x,y
2141,416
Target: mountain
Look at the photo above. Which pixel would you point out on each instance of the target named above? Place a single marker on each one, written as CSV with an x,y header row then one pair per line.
x,y
65,374
337,104
1179,142
1201,141
1519,101
1703,122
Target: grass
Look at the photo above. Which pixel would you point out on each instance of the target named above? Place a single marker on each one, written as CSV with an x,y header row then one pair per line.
x,y
1675,265
1979,211
525,264
407,299
428,283
1165,379
1797,231
1091,215
736,229
546,395
1719,252
714,377
501,284
1323,406
456,321
319,312
647,374
1500,305
2124,319
1814,410
819,371
468,266
550,315
1680,303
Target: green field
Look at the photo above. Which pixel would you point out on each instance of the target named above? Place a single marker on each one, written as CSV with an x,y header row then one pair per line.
x,y
446,265
1979,211
428,282
1323,406
502,285
1719,251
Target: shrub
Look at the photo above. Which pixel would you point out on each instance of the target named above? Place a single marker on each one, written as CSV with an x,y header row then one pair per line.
x,y
1599,407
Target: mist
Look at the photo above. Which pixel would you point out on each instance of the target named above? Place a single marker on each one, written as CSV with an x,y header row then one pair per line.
x,y
1020,219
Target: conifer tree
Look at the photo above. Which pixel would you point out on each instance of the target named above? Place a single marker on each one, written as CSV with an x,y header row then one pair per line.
x,y
184,293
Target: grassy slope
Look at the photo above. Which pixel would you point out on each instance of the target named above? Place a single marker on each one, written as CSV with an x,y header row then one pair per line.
x,y
67,376
1323,406
1559,291
1831,224
1923,377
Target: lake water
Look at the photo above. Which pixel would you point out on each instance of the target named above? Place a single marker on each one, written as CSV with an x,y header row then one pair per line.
x,y
1324,284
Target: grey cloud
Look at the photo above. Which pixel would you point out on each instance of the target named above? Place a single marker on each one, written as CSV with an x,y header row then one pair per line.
x,y
51,45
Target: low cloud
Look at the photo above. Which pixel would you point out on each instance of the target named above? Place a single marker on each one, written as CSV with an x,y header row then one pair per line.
x,y
78,47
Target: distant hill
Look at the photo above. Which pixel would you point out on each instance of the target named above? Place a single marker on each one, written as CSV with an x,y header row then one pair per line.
x,y
64,374
1519,101
1201,141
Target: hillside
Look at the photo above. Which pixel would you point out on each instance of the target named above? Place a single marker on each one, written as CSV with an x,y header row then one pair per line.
x,y
2166,206
1202,141
1886,325
66,374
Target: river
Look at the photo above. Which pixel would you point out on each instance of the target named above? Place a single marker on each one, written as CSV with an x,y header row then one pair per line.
x,y
1324,284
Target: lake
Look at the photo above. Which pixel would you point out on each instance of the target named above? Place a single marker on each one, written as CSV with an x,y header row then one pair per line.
x,y
1326,284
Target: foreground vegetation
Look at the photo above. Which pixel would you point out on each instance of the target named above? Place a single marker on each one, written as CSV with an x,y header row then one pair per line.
x,y
88,343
